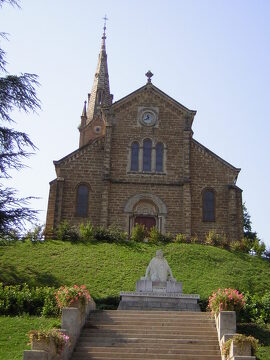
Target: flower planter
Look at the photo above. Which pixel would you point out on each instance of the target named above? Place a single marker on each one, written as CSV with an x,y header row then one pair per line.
x,y
240,349
47,345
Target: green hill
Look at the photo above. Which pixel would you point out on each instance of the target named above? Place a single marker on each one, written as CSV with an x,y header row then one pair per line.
x,y
108,269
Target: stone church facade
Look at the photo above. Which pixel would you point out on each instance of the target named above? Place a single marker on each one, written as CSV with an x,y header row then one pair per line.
x,y
138,162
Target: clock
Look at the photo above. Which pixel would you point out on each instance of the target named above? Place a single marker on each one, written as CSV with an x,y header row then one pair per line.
x,y
148,117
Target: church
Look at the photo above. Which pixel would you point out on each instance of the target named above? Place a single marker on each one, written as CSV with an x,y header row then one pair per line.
x,y
138,163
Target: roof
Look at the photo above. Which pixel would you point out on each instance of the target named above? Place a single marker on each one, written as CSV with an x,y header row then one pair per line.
x,y
206,150
160,92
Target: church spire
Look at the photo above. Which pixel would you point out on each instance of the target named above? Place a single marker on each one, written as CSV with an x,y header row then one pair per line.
x,y
100,94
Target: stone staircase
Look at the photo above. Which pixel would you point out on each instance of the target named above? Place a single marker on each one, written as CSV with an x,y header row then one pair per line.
x,y
148,335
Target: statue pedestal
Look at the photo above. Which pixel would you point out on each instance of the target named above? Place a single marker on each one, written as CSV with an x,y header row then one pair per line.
x,y
159,296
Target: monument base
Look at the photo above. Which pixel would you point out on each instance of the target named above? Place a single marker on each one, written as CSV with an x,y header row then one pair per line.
x,y
159,296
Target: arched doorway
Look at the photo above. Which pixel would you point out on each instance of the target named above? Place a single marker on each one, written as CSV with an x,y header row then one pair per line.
x,y
146,209
147,221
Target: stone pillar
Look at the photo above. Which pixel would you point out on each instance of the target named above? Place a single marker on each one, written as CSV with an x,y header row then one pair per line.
x,y
187,188
235,218
104,215
54,212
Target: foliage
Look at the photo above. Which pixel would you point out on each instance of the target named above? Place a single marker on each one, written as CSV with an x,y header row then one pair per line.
x,y
138,233
257,308
66,296
21,299
111,234
226,300
17,92
180,238
14,333
240,339
155,236
36,234
242,245
215,239
67,232
59,339
86,232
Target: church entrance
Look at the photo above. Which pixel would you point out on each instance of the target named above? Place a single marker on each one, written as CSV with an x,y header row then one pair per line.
x,y
147,221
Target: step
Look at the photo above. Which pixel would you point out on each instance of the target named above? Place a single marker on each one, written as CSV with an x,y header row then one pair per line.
x,y
144,350
148,335
133,356
138,345
142,341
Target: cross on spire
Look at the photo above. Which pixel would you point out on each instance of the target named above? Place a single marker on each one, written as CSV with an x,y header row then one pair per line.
x,y
149,74
104,27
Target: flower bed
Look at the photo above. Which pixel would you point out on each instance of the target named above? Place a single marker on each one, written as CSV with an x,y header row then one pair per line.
x,y
226,300
69,296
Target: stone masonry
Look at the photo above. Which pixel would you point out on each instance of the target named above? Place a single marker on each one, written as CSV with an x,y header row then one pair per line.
x,y
172,198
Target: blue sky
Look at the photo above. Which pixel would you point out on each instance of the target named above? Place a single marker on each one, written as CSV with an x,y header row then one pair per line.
x,y
212,56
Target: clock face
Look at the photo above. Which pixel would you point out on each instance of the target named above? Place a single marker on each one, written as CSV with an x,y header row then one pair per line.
x,y
148,118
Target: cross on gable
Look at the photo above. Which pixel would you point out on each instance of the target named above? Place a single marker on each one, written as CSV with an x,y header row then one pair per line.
x,y
149,74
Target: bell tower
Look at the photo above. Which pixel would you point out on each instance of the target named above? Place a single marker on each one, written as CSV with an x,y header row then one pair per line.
x,y
92,123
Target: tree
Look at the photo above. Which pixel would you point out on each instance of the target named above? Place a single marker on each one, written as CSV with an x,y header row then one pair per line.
x,y
248,233
16,92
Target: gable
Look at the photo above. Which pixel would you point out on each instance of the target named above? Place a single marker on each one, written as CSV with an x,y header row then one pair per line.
x,y
155,93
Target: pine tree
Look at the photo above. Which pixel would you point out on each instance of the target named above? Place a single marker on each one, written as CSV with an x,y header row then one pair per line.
x,y
16,92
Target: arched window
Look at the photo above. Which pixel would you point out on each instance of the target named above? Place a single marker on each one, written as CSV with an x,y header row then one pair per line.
x,y
208,199
159,157
147,154
134,157
82,201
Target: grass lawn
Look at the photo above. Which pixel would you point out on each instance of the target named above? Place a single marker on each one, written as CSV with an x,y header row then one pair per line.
x,y
14,330
107,269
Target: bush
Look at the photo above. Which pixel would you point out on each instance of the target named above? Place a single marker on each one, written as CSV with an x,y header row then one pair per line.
x,y
36,234
180,238
258,247
66,232
257,308
215,239
155,236
242,245
226,300
138,233
86,232
110,234
20,299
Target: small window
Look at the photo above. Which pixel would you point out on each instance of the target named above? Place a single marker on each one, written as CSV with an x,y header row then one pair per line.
x,y
208,205
147,154
159,157
134,157
82,201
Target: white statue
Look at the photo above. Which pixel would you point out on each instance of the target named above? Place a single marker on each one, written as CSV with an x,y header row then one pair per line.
x,y
158,269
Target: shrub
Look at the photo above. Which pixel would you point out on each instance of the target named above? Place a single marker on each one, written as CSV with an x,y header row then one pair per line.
x,y
110,234
257,308
195,240
242,245
180,238
86,232
155,236
66,232
36,234
167,238
20,299
66,296
258,247
138,233
215,239
226,300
